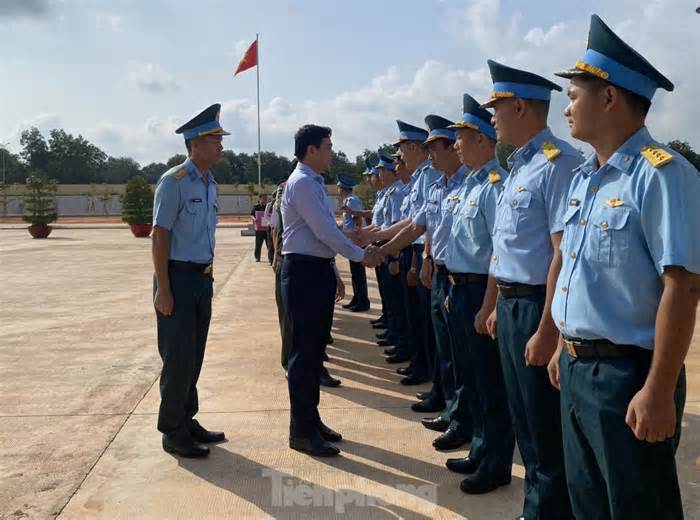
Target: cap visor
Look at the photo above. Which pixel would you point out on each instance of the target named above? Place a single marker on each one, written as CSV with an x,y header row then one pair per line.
x,y
490,103
436,137
570,73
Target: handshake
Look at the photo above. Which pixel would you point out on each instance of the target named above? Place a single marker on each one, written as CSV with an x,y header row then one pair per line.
x,y
364,236
373,256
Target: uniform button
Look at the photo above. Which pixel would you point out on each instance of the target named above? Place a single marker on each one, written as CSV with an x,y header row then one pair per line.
x,y
582,222
564,289
594,189
604,224
494,258
573,254
515,203
561,323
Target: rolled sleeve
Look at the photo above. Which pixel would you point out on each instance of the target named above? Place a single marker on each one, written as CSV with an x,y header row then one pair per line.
x,y
166,202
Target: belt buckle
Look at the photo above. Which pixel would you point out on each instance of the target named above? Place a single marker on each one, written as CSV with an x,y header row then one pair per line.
x,y
570,348
208,269
452,280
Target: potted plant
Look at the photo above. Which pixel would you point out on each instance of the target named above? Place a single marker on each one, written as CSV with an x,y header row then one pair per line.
x,y
40,205
137,206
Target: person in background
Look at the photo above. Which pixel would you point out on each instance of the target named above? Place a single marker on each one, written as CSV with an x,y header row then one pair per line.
x,y
257,215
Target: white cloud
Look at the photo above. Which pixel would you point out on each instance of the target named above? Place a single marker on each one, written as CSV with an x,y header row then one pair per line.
x,y
150,77
539,37
109,22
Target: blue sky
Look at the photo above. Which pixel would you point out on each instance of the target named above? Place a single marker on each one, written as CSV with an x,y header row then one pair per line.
x,y
126,73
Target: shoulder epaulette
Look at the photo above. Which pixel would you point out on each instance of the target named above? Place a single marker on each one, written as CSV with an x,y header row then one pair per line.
x,y
179,174
550,150
656,155
494,176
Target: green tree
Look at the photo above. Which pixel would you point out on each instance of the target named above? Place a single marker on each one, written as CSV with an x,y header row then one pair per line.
x,y
684,148
74,159
119,170
35,150
152,172
176,159
137,202
503,151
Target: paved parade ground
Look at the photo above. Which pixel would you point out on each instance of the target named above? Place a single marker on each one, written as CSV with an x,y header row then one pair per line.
x,y
79,396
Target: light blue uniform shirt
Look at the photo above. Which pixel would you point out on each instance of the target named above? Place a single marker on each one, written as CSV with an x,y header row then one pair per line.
x,y
436,213
392,204
406,192
378,208
425,175
531,208
470,245
309,223
185,204
625,222
352,202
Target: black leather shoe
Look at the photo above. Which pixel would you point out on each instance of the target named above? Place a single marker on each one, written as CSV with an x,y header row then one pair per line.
x,y
201,434
324,357
428,406
328,380
413,380
360,308
397,358
403,371
378,320
329,435
385,343
465,466
352,303
313,445
184,446
330,340
379,326
480,484
390,351
437,424
452,439
382,335
422,395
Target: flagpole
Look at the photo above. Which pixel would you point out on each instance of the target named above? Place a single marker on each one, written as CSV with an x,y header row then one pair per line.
x,y
257,71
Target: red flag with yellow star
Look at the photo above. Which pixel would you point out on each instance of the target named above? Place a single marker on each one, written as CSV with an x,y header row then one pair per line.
x,y
250,58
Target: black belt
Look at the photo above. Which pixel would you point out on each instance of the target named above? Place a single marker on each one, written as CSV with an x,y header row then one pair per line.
x,y
191,266
601,348
517,290
440,268
296,257
466,278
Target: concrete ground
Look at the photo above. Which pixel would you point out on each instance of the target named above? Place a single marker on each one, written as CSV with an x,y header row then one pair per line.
x,y
79,396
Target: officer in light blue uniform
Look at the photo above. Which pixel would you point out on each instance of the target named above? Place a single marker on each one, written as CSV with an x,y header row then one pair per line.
x,y
360,299
628,285
184,219
472,296
436,216
525,263
418,309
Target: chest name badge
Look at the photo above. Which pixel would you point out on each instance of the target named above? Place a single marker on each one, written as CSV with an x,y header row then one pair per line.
x,y
195,200
574,202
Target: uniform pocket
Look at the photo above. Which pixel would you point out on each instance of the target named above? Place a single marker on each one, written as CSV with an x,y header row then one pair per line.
x,y
193,214
611,236
571,219
519,204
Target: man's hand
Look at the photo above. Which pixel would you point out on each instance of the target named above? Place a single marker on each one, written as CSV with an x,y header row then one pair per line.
x,y
163,301
491,324
651,415
426,274
339,290
553,366
540,348
446,303
394,267
365,236
480,321
372,257
412,277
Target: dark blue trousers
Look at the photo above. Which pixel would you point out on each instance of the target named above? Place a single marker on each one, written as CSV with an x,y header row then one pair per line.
x,y
534,408
420,321
478,370
628,478
443,374
182,338
308,292
359,283
381,273
398,323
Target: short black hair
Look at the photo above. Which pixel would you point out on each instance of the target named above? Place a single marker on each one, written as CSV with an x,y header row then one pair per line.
x,y
188,145
309,135
541,106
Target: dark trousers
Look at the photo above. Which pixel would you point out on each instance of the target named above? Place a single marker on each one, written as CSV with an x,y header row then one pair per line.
x,y
420,322
359,283
270,246
534,409
478,370
182,338
308,292
611,474
260,238
285,329
443,373
381,289
398,321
